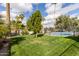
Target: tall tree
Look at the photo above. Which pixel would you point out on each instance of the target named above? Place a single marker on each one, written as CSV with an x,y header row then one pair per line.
x,y
74,25
63,23
34,22
8,16
54,9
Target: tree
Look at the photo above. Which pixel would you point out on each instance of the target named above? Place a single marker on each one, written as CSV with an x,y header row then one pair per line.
x,y
19,24
29,24
63,23
3,29
54,9
77,28
13,27
74,25
34,22
24,30
8,17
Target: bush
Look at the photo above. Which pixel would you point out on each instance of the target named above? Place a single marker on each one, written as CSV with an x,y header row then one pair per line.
x,y
1,46
3,31
40,34
25,31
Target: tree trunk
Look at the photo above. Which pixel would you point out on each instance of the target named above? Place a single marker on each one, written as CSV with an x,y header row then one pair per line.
x,y
8,16
36,35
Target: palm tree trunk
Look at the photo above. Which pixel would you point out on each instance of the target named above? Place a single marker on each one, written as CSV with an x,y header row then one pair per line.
x,y
8,16
54,11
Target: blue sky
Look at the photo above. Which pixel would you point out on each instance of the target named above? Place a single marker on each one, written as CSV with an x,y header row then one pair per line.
x,y
43,9
2,8
66,4
46,9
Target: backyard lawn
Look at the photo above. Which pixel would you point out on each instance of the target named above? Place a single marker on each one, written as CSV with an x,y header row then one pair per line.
x,y
28,45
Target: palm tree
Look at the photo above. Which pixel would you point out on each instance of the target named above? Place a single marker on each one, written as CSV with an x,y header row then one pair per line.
x,y
54,8
8,16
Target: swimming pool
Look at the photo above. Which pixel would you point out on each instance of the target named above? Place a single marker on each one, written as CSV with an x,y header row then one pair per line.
x,y
61,33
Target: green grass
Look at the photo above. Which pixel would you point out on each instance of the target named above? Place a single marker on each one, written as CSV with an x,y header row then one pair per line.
x,y
28,45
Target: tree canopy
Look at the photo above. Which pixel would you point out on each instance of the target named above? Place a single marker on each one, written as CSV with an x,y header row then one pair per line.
x,y
34,22
65,23
3,29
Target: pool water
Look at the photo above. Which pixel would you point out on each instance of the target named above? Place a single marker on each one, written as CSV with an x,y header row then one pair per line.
x,y
61,33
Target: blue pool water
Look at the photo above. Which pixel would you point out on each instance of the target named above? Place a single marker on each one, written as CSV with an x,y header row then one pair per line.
x,y
61,33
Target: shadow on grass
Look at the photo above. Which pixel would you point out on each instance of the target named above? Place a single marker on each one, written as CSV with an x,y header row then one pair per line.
x,y
14,41
76,38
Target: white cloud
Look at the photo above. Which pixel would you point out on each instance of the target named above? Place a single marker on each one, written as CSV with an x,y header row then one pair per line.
x,y
3,13
48,5
21,7
69,8
61,11
53,7
16,8
50,11
24,20
74,15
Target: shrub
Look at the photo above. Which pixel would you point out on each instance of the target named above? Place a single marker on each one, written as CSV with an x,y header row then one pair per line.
x,y
3,31
25,31
40,34
1,46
